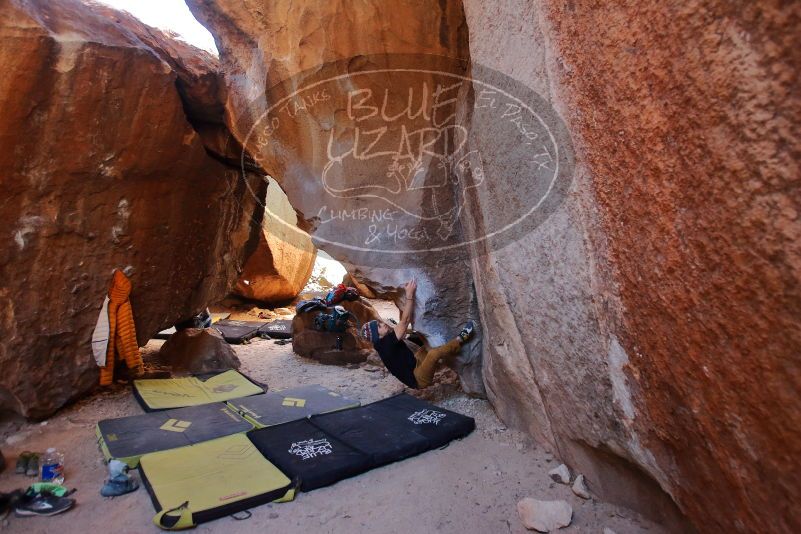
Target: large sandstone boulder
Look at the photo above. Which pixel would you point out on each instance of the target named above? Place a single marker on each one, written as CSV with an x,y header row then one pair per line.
x,y
267,50
197,351
284,258
101,169
322,346
648,329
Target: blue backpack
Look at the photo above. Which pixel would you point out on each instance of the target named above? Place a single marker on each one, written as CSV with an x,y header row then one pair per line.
x,y
336,321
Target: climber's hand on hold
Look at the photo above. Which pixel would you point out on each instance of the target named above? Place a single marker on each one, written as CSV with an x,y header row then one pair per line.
x,y
411,287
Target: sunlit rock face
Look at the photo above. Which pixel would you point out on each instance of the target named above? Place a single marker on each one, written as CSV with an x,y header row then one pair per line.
x,y
282,262
101,169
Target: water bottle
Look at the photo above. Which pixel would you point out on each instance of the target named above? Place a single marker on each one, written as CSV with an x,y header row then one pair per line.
x,y
52,467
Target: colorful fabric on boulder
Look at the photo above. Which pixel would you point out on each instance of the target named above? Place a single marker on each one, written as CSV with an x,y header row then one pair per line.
x,y
339,293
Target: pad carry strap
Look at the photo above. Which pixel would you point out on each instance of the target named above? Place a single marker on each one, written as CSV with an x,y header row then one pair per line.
x,y
178,518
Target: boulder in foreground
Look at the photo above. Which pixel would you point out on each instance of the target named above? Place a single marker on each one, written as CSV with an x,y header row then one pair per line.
x,y
197,351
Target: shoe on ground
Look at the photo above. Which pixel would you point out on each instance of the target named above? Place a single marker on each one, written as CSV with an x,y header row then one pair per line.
x,y
9,500
33,465
117,468
22,462
119,485
467,332
42,504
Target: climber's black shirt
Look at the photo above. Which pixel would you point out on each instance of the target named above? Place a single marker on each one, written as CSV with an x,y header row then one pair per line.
x,y
398,358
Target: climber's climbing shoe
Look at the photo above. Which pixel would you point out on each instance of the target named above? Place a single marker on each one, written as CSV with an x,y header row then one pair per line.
x,y
467,332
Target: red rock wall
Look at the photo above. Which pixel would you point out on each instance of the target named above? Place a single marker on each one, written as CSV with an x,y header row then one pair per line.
x,y
100,169
651,326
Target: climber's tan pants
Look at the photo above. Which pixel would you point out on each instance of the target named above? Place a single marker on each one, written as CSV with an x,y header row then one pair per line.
x,y
428,357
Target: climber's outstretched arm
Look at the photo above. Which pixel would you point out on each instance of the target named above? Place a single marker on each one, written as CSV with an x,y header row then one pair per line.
x,y
406,314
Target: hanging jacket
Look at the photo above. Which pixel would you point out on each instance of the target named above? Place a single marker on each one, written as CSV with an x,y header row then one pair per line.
x,y
122,333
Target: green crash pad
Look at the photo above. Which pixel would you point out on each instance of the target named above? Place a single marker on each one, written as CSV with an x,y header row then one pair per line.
x,y
166,393
215,478
274,408
128,438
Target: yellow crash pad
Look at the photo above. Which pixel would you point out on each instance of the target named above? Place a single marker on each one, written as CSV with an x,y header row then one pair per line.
x,y
166,393
215,478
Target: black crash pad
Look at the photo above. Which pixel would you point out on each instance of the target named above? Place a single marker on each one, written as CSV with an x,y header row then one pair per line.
x,y
278,329
366,437
128,438
396,428
274,408
300,449
236,332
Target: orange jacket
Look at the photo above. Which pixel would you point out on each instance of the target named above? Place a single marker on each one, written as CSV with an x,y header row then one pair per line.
x,y
122,333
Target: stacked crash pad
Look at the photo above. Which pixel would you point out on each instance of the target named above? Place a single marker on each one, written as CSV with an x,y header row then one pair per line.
x,y
209,480
236,332
128,438
274,408
324,449
167,393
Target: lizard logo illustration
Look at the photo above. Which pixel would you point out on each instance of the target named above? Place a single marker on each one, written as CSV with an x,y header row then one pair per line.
x,y
391,157
417,164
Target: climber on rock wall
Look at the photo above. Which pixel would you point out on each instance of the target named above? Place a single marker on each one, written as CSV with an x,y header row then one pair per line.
x,y
415,368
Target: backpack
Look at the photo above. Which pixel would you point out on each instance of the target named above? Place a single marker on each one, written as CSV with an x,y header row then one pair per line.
x,y
310,305
336,321
340,293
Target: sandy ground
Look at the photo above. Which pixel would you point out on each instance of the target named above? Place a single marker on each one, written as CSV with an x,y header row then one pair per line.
x,y
472,486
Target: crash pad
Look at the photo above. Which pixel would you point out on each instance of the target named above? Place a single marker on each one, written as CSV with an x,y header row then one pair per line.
x,y
274,408
326,448
278,329
303,451
215,478
165,393
165,334
236,332
128,438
